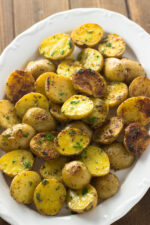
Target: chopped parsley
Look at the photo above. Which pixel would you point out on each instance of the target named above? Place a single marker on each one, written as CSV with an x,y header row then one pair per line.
x,y
44,182
72,132
78,145
30,183
74,102
55,171
43,53
40,142
108,44
49,137
7,135
90,31
69,43
79,57
84,191
38,197
7,117
27,164
52,54
13,161
57,188
97,56
49,63
62,52
25,135
86,39
92,119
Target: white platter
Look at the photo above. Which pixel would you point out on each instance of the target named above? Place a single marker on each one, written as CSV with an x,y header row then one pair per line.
x,y
136,180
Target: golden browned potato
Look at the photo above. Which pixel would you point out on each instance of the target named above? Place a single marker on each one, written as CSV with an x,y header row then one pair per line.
x,y
16,137
82,200
109,131
57,46
87,35
40,66
55,110
119,157
136,138
42,145
135,109
140,86
106,186
89,82
112,46
18,84
23,185
49,197
71,141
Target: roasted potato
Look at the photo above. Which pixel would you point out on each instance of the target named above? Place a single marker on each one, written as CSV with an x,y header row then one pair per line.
x,y
71,141
18,84
89,82
23,185
91,59
136,138
77,107
16,137
119,157
140,86
109,131
106,186
42,145
31,100
82,200
112,46
57,46
96,160
135,109
14,162
8,116
40,66
87,35
49,197
55,110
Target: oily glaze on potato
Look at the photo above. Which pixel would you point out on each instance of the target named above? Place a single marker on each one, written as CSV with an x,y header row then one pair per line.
x,y
136,138
55,110
89,82
140,86
87,35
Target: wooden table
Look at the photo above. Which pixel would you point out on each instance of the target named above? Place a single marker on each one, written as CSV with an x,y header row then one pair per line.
x,y
18,15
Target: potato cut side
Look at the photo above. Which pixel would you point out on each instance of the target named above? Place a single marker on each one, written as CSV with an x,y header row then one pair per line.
x,y
82,200
87,35
77,107
23,185
71,141
12,163
8,116
31,100
57,46
140,86
49,197
18,84
55,110
96,160
112,46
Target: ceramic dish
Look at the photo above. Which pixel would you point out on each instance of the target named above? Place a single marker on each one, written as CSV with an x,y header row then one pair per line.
x,y
135,181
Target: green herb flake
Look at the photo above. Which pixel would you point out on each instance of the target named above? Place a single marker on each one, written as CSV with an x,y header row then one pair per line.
x,y
49,137
57,188
84,191
38,197
25,135
52,53
30,183
92,119
62,52
61,93
108,44
78,146
43,53
97,56
72,132
131,147
55,171
89,31
44,182
27,164
79,57
13,161
86,39
49,63
69,43
7,118
7,135
74,102
40,142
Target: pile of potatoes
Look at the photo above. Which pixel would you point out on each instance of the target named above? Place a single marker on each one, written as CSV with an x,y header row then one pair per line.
x,y
82,117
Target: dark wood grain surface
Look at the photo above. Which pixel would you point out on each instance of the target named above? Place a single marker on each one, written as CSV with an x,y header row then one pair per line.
x,y
18,15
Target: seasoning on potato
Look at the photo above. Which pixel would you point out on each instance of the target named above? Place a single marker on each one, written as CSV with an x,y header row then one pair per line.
x,y
140,86
55,110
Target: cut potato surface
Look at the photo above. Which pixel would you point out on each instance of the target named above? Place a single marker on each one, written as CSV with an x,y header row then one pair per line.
x,y
49,197
31,100
140,86
77,107
18,84
12,163
112,46
23,186
135,109
96,160
82,200
71,141
89,82
8,116
57,46
91,59
42,145
87,35
136,138
55,110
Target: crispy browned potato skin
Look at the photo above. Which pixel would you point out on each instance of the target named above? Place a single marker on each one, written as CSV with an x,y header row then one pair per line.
x,y
136,138
89,82
140,86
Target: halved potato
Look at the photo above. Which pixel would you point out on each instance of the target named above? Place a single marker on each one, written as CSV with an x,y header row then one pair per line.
x,y
31,100
109,131
49,197
23,185
91,59
71,141
14,162
140,86
112,46
135,109
8,116
89,82
57,46
18,84
136,138
55,110
87,35
82,200
77,107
